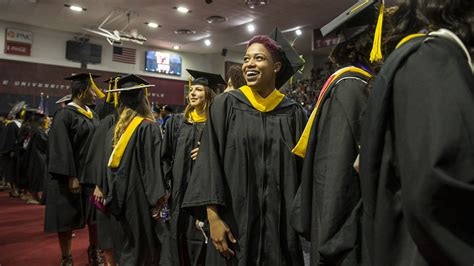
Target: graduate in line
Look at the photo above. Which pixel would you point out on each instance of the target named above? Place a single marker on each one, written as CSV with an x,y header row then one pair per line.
x,y
180,147
9,139
245,176
35,155
109,232
68,206
416,144
135,177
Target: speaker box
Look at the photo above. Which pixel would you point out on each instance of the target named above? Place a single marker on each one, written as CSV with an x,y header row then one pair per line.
x,y
224,52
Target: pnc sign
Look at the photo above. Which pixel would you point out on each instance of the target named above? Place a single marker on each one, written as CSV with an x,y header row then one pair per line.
x,y
18,42
13,35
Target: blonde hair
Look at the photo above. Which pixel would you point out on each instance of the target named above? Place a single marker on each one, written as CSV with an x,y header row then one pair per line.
x,y
127,114
208,97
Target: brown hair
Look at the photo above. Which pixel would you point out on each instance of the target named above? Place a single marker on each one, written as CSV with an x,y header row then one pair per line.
x,y
236,75
208,95
127,114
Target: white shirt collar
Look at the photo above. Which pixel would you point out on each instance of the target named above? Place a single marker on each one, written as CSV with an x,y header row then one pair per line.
x,y
77,106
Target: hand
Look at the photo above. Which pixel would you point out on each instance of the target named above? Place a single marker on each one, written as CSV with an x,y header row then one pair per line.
x,y
220,232
161,202
98,195
74,185
194,153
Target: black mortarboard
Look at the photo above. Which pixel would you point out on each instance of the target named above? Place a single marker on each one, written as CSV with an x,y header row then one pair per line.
x,y
84,79
66,98
131,90
210,80
360,14
82,76
112,79
131,82
292,61
34,111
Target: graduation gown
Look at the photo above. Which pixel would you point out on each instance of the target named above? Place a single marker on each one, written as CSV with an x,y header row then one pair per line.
x,y
104,109
21,154
246,168
7,148
135,186
109,232
69,140
417,157
328,205
36,160
186,242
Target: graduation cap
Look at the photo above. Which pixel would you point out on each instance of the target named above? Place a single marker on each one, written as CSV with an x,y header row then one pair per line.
x,y
87,78
112,81
131,82
132,89
18,107
292,61
361,13
210,80
64,99
34,111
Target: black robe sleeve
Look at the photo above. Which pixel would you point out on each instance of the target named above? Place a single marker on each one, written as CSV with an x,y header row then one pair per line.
x,y
209,163
149,163
61,155
168,146
434,130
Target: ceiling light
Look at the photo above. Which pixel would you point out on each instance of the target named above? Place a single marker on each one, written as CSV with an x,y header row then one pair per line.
x,y
152,25
176,47
182,9
255,3
207,42
298,32
251,28
75,8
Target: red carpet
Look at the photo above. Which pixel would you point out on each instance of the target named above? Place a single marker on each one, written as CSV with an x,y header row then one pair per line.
x,y
22,240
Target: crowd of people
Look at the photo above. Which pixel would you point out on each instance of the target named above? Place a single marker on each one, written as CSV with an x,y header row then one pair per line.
x,y
370,160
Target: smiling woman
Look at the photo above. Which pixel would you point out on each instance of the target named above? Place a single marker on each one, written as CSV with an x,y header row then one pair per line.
x,y
245,176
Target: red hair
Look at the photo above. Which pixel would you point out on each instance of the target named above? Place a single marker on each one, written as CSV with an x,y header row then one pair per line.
x,y
273,47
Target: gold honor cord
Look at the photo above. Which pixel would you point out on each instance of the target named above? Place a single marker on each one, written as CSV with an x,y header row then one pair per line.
x,y
409,37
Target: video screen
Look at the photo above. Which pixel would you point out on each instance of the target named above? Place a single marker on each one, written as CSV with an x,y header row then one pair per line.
x,y
163,63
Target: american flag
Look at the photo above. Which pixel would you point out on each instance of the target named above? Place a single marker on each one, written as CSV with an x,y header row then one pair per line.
x,y
124,55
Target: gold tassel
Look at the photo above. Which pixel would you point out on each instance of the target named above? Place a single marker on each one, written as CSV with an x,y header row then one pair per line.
x,y
189,83
97,91
116,102
109,95
376,53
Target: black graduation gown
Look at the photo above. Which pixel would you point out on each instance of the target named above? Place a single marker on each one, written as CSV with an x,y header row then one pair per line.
x,y
186,242
328,205
36,160
7,149
21,154
135,188
104,109
417,158
68,142
109,232
246,168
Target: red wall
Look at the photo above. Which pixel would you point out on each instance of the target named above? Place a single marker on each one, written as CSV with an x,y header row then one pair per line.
x,y
25,81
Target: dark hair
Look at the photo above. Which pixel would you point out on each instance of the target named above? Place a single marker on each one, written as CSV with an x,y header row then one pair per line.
x,y
400,20
78,87
355,50
454,15
236,76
